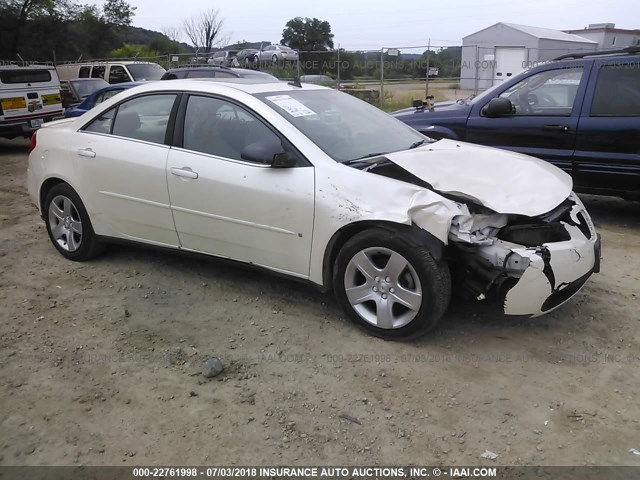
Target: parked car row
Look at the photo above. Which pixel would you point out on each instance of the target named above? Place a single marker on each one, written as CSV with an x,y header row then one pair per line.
x,y
252,57
219,73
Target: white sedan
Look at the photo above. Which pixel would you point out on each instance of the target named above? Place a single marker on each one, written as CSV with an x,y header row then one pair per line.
x,y
316,184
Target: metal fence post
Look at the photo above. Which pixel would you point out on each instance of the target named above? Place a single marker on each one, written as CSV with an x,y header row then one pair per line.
x,y
426,82
338,66
382,77
475,90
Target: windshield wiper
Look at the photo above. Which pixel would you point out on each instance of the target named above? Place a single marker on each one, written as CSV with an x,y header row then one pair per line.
x,y
364,157
417,144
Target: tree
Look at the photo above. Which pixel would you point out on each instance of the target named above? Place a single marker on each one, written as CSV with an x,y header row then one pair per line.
x,y
308,34
172,33
205,30
118,12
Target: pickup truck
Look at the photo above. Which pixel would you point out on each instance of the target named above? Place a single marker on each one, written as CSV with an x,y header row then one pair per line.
x,y
580,112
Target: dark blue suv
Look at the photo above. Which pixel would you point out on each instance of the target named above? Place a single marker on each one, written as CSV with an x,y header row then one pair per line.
x,y
580,112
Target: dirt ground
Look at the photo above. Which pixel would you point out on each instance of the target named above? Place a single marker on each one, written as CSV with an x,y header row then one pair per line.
x,y
100,363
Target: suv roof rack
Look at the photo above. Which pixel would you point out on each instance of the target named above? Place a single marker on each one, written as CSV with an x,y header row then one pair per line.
x,y
200,65
627,50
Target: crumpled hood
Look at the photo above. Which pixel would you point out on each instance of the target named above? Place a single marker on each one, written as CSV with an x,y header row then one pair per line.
x,y
504,181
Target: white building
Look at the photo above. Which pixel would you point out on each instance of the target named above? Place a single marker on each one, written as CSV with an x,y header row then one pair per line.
x,y
608,36
495,53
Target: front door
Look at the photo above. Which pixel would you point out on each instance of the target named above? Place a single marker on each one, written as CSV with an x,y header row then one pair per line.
x,y
545,120
227,206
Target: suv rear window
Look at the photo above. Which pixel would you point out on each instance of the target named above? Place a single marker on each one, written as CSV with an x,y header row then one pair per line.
x,y
617,92
25,76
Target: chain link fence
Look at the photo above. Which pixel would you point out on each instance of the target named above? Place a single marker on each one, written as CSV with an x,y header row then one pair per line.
x,y
389,77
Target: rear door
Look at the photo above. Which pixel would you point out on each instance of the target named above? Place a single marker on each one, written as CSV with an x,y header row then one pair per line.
x,y
547,108
121,155
607,153
29,94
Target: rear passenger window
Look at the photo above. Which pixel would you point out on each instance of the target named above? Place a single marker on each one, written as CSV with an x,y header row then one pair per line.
x,y
144,118
102,124
117,74
617,91
98,72
84,72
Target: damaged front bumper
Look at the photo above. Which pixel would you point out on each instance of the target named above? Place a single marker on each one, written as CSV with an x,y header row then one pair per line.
x,y
529,279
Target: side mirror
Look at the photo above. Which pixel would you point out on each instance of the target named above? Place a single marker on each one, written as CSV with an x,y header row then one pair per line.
x,y
498,107
269,153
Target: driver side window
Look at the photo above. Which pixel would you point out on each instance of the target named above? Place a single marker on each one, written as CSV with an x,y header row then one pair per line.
x,y
221,128
549,93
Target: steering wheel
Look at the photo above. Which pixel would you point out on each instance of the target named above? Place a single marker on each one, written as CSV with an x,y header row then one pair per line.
x,y
523,102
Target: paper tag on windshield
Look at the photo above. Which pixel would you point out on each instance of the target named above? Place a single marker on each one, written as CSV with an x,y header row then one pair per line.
x,y
290,105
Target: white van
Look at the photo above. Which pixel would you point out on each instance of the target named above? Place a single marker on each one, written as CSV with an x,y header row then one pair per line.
x,y
29,96
112,72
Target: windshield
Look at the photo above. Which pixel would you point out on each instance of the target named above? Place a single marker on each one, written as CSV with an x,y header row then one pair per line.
x,y
87,87
146,71
344,127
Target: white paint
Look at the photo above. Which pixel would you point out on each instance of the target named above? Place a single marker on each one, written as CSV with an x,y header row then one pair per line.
x,y
506,182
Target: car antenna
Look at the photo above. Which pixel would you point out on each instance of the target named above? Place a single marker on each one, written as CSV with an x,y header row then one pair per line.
x,y
296,82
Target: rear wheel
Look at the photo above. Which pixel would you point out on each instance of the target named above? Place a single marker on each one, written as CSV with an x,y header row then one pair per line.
x,y
390,288
68,224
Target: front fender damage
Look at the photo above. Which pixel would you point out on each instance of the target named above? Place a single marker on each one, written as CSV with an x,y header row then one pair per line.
x,y
530,279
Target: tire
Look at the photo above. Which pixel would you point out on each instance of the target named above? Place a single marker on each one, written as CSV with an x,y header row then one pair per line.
x,y
68,224
396,290
274,59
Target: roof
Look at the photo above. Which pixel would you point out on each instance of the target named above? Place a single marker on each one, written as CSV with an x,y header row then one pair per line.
x,y
545,33
604,29
549,33
248,85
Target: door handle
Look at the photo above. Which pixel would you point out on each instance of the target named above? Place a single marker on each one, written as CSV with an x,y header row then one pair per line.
x,y
184,172
86,152
556,128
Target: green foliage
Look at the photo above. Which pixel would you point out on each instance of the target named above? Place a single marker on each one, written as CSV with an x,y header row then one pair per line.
x,y
308,34
118,12
130,51
41,30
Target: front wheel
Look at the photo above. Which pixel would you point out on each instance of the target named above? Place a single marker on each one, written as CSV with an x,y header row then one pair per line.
x,y
391,289
68,224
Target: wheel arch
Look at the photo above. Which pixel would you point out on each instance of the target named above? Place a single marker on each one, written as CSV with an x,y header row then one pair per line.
x,y
412,234
46,187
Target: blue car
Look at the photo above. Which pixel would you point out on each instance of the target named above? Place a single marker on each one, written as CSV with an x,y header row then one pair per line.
x,y
98,97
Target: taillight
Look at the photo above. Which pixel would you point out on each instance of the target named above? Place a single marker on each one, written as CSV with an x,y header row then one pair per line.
x,y
32,143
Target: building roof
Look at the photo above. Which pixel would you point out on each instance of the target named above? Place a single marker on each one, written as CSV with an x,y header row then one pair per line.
x,y
546,33
604,29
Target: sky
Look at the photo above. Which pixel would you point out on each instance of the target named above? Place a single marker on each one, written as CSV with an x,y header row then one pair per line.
x,y
372,24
